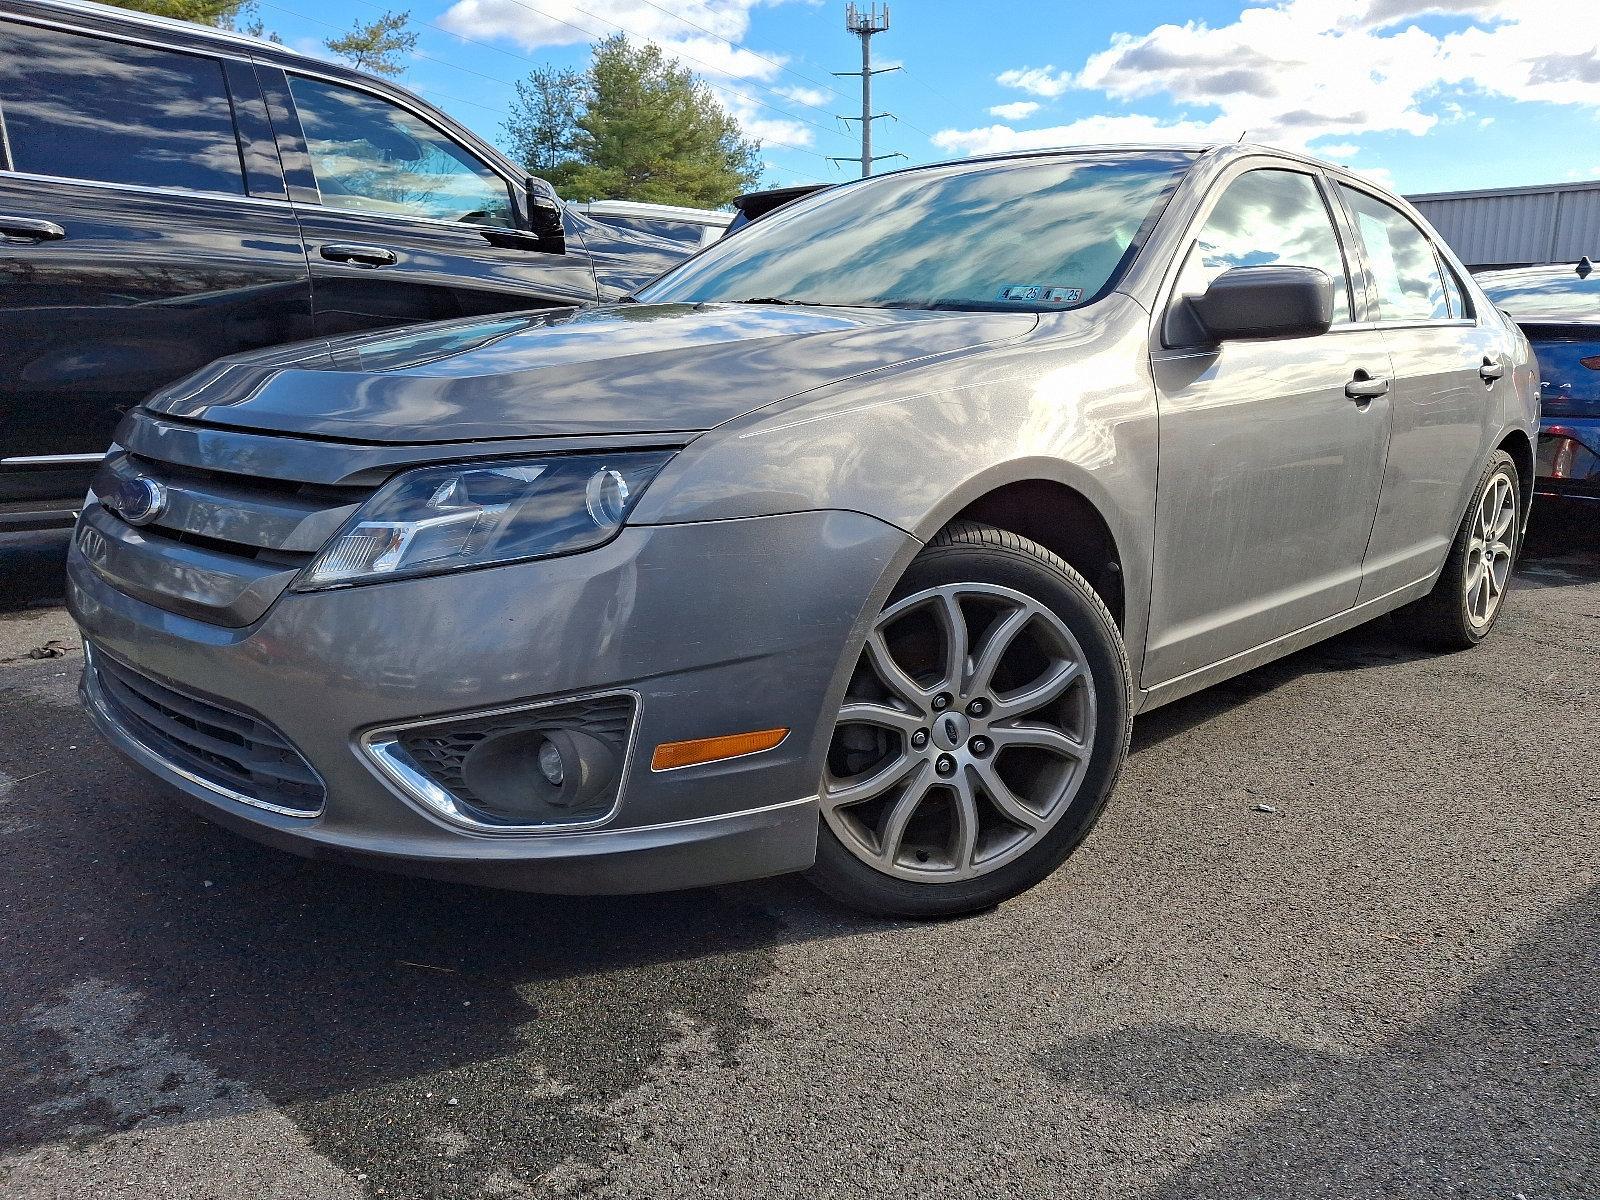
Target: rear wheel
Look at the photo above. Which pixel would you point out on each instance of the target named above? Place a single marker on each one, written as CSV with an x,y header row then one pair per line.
x,y
1471,590
982,731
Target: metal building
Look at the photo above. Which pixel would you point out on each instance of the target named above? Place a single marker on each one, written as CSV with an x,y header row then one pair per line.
x,y
1518,226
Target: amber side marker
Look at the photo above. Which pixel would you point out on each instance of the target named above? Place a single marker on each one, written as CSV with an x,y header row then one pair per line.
x,y
713,749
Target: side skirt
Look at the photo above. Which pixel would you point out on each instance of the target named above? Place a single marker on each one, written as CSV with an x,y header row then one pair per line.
x,y
1248,660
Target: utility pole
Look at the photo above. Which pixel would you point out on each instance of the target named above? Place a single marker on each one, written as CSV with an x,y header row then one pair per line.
x,y
864,24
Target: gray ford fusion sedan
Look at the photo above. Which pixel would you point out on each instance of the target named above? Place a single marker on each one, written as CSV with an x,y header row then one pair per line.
x,y
852,545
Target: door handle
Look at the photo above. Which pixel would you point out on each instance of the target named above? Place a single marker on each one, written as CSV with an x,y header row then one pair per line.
x,y
31,229
1491,370
360,256
1364,388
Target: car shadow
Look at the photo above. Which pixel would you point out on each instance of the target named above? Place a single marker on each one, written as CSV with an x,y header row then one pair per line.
x,y
1502,1076
160,971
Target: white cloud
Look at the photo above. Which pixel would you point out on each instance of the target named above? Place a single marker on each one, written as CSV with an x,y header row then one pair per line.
x,y
1338,150
572,22
1019,110
1295,71
804,95
1089,131
1037,81
737,74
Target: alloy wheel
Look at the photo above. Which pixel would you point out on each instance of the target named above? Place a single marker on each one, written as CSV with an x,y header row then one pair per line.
x,y
1490,550
964,735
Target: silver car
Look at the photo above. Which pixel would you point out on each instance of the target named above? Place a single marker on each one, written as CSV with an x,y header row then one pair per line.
x,y
852,547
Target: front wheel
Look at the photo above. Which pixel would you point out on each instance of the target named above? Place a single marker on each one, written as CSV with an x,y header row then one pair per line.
x,y
980,735
1466,601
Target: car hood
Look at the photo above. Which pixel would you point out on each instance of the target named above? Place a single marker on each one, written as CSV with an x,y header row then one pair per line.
x,y
625,369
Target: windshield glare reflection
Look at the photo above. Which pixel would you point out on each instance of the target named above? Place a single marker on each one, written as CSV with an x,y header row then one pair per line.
x,y
1020,235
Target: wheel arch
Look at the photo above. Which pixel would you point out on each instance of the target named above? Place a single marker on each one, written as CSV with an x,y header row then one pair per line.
x,y
1517,444
1063,511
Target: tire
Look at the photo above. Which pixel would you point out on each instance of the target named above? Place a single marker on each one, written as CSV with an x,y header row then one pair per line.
x,y
1057,762
1456,615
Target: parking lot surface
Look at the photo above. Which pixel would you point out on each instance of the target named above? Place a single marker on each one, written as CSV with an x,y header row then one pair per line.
x,y
1337,935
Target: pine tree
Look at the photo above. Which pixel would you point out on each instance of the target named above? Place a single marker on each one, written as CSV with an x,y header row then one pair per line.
x,y
649,130
541,130
376,46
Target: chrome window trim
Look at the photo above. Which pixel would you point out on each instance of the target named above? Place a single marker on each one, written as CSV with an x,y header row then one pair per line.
x,y
145,188
380,749
52,460
96,700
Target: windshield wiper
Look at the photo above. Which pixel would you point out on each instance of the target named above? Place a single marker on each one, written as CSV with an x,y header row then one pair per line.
x,y
779,300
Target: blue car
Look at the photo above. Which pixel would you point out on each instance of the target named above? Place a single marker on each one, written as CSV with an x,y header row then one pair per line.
x,y
1558,307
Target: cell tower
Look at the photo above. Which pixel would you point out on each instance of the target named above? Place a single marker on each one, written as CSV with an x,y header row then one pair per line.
x,y
864,23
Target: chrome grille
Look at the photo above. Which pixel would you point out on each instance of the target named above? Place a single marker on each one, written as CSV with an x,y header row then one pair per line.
x,y
230,751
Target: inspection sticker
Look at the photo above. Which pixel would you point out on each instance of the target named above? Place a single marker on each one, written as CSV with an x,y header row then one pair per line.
x,y
1040,293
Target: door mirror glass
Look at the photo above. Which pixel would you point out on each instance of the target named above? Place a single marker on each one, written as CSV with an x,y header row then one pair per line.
x,y
1258,303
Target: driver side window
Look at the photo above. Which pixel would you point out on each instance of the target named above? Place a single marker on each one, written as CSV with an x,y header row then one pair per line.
x,y
374,156
1268,218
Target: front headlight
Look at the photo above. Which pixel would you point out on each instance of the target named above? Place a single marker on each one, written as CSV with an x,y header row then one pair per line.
x,y
476,514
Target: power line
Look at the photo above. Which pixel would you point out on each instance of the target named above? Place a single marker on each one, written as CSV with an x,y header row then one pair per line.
x,y
781,66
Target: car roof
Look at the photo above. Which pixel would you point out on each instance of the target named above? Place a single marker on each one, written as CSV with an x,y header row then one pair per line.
x,y
1545,294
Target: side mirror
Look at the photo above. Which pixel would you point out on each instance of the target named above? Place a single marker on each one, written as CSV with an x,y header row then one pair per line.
x,y
544,217
1260,303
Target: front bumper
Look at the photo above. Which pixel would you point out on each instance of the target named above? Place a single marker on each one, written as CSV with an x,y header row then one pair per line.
x,y
716,628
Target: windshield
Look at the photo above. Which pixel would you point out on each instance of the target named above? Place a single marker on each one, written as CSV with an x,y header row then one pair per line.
x,y
1024,235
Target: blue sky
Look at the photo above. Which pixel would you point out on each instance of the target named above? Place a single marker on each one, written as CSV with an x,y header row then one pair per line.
x,y
1427,95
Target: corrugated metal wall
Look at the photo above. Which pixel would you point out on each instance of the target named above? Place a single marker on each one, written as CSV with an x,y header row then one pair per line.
x,y
1512,226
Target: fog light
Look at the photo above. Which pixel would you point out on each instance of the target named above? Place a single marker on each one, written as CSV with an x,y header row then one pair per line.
x,y
550,763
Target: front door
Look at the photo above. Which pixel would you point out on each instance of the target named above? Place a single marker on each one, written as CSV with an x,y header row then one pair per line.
x,y
1271,453
403,222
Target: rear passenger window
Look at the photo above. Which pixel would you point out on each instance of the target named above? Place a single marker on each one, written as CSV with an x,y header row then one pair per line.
x,y
1268,218
85,108
1400,259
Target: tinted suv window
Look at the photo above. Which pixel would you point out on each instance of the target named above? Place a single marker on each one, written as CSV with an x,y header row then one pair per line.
x,y
83,108
1400,259
1268,218
372,155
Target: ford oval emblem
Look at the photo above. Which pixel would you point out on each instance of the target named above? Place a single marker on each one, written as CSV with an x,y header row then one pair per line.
x,y
137,501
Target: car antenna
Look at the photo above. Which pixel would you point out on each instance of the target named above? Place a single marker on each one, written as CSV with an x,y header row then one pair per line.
x,y
1240,138
1584,267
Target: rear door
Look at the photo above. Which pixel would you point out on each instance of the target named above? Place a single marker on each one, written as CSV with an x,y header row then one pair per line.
x,y
1272,452
140,237
401,221
1448,367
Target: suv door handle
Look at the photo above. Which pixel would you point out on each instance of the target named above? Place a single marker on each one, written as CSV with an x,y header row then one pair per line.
x,y
361,256
1491,370
1364,388
30,229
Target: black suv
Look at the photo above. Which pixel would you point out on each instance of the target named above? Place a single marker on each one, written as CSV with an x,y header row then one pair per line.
x,y
171,193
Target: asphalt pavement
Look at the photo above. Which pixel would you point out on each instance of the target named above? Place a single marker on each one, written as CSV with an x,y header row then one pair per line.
x,y
1338,935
